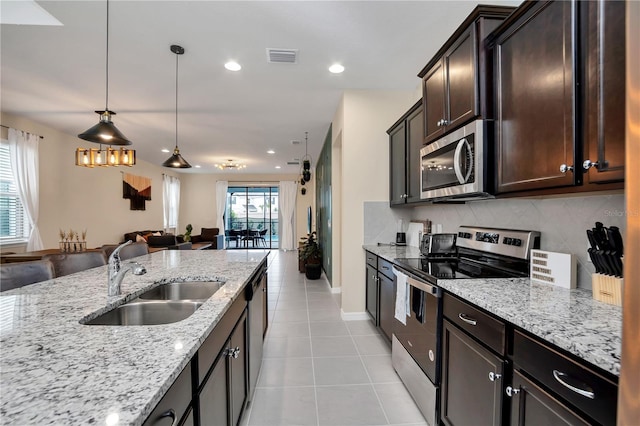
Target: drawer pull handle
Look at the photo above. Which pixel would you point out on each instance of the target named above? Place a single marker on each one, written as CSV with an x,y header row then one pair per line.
x,y
170,413
586,393
466,318
385,267
494,376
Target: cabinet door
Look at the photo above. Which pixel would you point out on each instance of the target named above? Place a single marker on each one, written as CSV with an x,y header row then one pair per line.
x,y
372,293
469,395
265,304
415,140
535,99
214,400
397,161
175,402
238,370
461,80
531,406
387,305
605,90
434,102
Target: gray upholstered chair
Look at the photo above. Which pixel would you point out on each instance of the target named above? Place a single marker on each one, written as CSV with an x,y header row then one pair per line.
x,y
70,263
133,250
19,274
108,249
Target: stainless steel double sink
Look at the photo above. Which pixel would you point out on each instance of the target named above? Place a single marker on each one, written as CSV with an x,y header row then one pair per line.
x,y
164,304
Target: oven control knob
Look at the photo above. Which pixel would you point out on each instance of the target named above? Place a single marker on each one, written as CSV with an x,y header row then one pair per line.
x,y
431,356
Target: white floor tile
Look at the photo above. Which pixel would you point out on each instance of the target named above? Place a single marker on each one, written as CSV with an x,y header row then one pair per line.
x,y
349,405
333,346
277,372
339,371
328,328
380,369
287,347
372,345
283,406
398,404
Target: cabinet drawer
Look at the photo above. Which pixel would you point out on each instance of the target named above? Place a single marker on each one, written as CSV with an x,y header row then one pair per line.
x,y
212,346
483,327
581,386
174,403
385,267
372,259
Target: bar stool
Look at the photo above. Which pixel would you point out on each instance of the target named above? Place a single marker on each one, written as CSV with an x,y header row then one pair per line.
x,y
19,274
70,263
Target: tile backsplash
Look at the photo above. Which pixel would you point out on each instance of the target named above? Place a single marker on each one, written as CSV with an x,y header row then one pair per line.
x,y
562,222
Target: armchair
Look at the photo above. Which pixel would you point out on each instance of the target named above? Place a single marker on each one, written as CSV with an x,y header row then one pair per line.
x,y
207,235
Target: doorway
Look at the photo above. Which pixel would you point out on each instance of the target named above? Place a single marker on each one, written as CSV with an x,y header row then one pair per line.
x,y
251,217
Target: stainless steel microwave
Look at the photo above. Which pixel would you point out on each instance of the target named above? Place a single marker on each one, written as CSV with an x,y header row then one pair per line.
x,y
452,168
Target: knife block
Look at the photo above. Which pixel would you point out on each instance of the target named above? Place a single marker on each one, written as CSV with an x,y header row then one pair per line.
x,y
607,289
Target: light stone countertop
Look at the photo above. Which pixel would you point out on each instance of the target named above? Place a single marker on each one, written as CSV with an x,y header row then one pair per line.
x,y
54,370
570,319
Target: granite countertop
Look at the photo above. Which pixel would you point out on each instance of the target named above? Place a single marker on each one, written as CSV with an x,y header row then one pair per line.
x,y
570,319
54,370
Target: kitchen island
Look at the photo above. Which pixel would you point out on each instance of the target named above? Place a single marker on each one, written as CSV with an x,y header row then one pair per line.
x,y
570,319
55,370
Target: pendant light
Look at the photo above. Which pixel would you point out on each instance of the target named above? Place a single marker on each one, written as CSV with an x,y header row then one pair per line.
x,y
176,161
306,161
105,132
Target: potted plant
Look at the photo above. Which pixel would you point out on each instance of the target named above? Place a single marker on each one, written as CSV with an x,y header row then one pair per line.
x,y
310,256
187,235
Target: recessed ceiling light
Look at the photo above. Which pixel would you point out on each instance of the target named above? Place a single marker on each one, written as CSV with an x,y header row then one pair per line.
x,y
197,166
336,68
232,66
271,151
165,150
278,167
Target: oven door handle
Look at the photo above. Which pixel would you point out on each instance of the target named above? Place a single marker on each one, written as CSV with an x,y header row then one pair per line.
x,y
462,144
423,286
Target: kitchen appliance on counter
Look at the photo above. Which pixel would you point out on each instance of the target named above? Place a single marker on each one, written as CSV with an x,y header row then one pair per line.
x,y
474,252
453,167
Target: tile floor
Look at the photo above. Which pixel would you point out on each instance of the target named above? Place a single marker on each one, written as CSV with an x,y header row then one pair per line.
x,y
320,370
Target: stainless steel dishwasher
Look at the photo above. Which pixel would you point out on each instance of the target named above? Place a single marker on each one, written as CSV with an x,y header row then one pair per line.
x,y
257,315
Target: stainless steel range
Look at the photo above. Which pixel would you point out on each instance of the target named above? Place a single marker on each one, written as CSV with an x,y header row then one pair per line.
x,y
416,341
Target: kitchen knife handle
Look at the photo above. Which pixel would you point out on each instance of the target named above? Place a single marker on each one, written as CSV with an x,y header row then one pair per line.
x,y
615,239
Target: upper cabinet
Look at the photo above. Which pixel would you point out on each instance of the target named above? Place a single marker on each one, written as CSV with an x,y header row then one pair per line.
x,y
455,81
559,97
405,141
605,98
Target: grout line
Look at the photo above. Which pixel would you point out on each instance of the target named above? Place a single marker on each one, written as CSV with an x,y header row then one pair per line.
x,y
313,366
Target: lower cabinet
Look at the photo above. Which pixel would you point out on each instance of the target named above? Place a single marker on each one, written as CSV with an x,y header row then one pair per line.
x,y
371,303
532,405
387,305
471,381
175,404
224,393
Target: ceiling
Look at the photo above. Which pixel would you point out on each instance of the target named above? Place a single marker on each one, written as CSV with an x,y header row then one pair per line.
x,y
55,75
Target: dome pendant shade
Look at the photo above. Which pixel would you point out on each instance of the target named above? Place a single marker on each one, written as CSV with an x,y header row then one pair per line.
x,y
105,132
176,161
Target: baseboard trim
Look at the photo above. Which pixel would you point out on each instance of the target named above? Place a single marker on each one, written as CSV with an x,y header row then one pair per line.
x,y
354,316
336,290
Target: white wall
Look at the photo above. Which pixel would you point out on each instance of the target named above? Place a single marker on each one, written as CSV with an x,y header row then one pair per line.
x,y
81,198
366,116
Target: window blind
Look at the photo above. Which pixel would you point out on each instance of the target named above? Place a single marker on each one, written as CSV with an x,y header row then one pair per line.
x,y
14,226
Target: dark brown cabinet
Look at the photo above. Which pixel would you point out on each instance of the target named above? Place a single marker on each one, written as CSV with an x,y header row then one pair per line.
x,y
559,97
175,404
472,380
405,141
371,303
454,82
535,99
387,305
605,97
532,405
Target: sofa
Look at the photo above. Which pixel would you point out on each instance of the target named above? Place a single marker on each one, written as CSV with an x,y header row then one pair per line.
x,y
157,240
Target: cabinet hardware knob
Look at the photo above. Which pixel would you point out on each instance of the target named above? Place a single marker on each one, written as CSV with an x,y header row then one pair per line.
x,y
235,353
170,413
444,122
494,376
439,123
558,375
589,164
564,168
511,391
466,318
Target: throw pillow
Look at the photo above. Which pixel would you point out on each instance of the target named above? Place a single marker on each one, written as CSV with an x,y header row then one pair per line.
x,y
157,234
146,236
140,239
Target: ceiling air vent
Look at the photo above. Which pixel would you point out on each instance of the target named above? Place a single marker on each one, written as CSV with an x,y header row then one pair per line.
x,y
282,56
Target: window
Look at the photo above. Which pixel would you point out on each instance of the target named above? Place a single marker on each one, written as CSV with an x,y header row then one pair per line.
x,y
14,225
171,201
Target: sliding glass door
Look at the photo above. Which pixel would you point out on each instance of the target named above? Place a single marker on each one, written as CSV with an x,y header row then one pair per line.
x,y
251,217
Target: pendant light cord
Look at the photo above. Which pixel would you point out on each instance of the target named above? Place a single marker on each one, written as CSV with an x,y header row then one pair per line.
x,y
106,108
177,100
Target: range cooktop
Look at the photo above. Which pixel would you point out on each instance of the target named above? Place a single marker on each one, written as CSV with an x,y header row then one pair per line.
x,y
434,269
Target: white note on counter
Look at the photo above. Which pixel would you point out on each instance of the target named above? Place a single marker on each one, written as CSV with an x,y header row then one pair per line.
x,y
402,297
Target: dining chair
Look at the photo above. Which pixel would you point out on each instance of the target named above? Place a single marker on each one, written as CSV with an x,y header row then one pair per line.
x,y
261,239
70,263
19,274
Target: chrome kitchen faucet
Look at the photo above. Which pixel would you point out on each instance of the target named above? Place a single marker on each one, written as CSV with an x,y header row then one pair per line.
x,y
117,270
